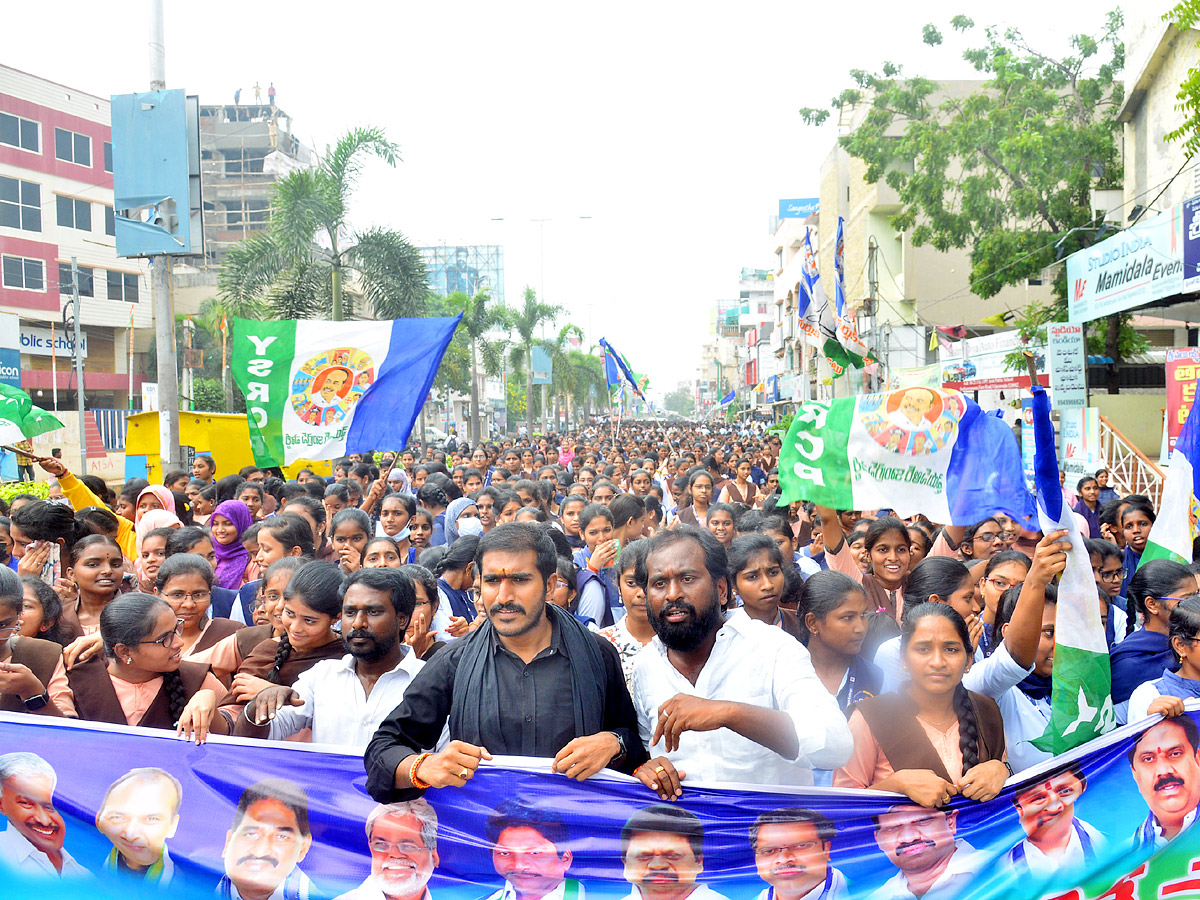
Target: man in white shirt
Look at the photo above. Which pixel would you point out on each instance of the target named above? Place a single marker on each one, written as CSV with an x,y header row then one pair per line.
x,y
791,852
529,851
402,838
344,700
32,844
1054,839
920,843
1165,763
266,843
662,850
699,710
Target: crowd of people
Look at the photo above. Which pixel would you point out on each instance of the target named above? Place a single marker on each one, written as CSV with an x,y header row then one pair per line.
x,y
641,601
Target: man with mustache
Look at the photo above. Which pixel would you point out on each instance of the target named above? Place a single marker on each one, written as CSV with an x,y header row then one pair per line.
x,y
32,844
1165,763
139,813
791,852
529,850
662,850
920,843
531,681
402,838
698,707
267,841
344,700
1055,838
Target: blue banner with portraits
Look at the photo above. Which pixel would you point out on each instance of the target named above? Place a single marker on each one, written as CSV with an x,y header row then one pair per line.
x,y
97,811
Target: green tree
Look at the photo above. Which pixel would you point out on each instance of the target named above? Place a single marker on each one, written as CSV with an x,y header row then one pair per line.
x,y
298,268
525,321
1185,16
481,318
1006,171
562,372
209,394
586,379
681,401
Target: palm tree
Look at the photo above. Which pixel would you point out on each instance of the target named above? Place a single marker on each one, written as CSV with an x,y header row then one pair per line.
x,y
525,321
586,379
559,349
480,319
298,268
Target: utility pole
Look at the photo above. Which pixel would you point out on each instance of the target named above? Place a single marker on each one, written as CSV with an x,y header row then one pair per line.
x,y
160,284
78,354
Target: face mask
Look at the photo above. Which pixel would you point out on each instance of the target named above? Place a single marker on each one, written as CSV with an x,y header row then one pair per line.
x,y
403,534
470,526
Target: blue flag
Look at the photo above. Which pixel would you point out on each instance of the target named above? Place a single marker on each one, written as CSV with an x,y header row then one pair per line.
x,y
612,354
728,398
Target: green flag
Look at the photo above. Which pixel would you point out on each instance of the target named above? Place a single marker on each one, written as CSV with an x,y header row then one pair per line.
x,y
19,418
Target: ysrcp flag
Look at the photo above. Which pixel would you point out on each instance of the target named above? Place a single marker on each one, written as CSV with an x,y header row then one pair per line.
x,y
1176,526
847,327
1081,703
20,419
320,390
917,450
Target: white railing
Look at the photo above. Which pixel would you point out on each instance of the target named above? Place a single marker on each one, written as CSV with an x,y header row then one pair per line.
x,y
1130,471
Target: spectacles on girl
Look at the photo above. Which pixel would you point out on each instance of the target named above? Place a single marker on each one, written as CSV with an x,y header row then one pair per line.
x,y
166,639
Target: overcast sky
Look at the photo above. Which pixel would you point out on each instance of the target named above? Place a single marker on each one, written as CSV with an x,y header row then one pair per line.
x,y
672,126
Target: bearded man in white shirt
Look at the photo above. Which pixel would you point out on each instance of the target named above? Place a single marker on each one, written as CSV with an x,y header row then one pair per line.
x,y
662,850
32,844
402,838
723,700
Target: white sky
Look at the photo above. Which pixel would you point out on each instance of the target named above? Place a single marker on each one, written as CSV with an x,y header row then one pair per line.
x,y
672,125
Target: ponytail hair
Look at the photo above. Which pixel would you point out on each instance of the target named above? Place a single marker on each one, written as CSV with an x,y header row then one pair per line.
x,y
933,576
129,620
458,555
968,727
316,584
1184,623
42,520
1156,578
291,530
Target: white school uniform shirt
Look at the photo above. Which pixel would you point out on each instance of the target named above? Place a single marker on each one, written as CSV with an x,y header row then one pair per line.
x,y
1024,720
759,665
965,866
336,706
1043,866
1141,698
837,889
18,854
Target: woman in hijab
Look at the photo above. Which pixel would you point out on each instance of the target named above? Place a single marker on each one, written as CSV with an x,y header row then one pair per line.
x,y
462,517
154,497
146,566
227,523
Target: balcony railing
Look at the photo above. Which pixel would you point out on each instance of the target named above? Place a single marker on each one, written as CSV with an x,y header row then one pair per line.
x,y
1130,470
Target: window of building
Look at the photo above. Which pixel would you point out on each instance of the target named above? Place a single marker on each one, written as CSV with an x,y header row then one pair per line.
x,y
18,132
248,162
72,147
257,212
20,204
73,213
87,280
108,166
23,273
110,221
123,286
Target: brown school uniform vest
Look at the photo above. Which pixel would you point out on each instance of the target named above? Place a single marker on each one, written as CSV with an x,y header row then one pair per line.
x,y
250,637
218,630
96,700
42,657
893,721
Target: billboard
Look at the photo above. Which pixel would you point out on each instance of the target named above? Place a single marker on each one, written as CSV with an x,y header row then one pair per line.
x,y
1183,373
1135,267
799,209
977,364
467,269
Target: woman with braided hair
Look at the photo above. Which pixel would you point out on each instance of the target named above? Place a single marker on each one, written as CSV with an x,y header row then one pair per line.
x,y
934,739
142,678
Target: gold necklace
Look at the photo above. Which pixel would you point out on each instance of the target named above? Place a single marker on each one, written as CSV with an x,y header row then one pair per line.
x,y
937,725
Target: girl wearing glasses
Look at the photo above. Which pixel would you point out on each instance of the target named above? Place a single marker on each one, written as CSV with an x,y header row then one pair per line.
x,y
185,582
1154,590
142,678
1004,570
1165,695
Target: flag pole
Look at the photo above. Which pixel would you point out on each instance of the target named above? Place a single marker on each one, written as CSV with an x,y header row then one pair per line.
x,y
53,366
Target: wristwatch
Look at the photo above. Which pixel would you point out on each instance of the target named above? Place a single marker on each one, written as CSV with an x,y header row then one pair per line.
x,y
621,742
33,704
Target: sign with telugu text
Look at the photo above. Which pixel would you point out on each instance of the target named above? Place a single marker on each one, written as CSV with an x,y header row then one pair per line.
x,y
1068,364
1183,372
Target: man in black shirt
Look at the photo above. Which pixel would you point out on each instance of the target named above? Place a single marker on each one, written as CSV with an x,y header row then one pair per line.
x,y
532,681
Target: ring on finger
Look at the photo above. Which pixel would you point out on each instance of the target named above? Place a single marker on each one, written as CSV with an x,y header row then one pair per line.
x,y
464,774
658,770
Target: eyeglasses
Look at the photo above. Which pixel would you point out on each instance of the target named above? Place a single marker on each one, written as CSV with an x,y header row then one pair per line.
x,y
166,640
1111,575
1176,599
1008,535
194,596
404,848
1003,584
990,537
10,629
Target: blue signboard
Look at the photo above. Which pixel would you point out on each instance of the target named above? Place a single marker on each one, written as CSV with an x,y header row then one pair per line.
x,y
1191,244
799,209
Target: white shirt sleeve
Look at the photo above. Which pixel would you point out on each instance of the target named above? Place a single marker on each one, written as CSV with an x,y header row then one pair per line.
x,y
1139,701
641,703
291,720
887,657
994,675
592,601
822,733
